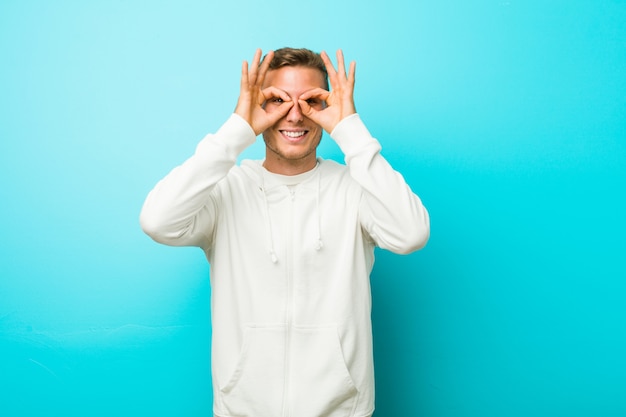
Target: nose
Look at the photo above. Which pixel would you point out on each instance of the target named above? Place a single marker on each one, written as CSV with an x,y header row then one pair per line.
x,y
295,113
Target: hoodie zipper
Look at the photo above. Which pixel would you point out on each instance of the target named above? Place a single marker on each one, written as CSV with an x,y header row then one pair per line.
x,y
289,308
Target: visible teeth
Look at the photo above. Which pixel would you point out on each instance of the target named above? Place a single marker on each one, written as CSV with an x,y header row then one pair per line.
x,y
294,134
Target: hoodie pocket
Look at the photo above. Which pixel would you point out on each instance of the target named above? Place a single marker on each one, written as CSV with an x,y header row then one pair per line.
x,y
255,388
321,383
306,363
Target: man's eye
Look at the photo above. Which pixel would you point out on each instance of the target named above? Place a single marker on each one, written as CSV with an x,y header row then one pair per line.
x,y
277,100
312,102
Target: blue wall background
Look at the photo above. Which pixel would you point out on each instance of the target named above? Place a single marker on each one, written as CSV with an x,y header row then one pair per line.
x,y
508,118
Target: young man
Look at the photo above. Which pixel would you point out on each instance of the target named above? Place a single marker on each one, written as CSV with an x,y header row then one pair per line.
x,y
290,240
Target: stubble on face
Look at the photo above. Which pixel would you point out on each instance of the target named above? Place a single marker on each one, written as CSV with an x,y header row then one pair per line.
x,y
292,142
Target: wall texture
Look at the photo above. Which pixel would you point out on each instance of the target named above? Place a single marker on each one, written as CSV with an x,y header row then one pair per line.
x,y
508,118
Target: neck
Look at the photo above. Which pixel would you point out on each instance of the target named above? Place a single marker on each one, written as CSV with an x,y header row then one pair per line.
x,y
289,167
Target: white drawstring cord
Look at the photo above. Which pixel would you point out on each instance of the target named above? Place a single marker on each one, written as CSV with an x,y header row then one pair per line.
x,y
319,244
268,224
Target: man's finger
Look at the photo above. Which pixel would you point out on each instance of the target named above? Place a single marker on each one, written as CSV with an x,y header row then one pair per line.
x,y
254,68
274,92
352,74
319,93
279,111
244,76
341,67
264,66
329,65
305,107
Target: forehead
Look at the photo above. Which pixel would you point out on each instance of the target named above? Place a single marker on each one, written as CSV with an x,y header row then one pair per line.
x,y
294,80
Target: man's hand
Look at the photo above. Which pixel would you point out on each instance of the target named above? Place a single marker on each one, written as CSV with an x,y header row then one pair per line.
x,y
252,97
339,101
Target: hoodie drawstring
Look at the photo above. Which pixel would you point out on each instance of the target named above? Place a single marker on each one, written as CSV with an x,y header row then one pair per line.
x,y
319,244
268,226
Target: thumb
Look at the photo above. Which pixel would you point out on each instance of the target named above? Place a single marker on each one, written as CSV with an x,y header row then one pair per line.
x,y
309,112
305,108
280,112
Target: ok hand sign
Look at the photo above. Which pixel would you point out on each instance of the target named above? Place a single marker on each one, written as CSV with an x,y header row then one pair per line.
x,y
252,96
339,101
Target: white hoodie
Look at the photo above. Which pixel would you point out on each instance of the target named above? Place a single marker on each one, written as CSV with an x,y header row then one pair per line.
x,y
290,262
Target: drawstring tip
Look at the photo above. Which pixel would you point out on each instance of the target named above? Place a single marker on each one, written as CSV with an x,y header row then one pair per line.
x,y
273,257
319,245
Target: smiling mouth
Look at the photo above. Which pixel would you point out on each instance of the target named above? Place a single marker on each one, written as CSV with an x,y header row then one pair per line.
x,y
294,134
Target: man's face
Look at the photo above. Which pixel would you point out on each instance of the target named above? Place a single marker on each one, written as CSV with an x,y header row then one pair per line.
x,y
294,138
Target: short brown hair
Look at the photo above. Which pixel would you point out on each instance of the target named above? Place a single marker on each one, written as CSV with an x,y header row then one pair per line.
x,y
302,57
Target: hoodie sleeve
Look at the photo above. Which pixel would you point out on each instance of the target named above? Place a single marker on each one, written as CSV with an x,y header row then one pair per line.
x,y
390,212
179,209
